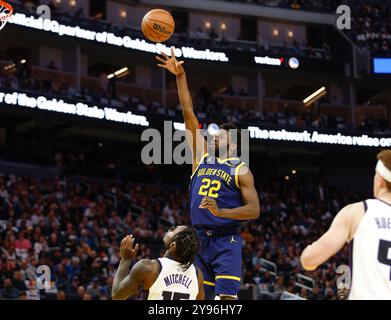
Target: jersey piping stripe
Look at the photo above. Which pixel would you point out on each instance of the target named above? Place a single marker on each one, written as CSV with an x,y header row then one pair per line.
x,y
202,159
209,283
228,295
237,174
228,277
351,258
388,204
228,159
160,266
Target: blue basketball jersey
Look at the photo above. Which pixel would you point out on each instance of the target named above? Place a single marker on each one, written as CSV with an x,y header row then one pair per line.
x,y
217,179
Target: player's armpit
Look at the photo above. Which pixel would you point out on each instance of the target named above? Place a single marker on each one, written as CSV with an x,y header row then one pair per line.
x,y
201,290
333,240
130,285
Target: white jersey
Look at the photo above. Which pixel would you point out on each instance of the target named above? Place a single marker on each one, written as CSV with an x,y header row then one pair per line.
x,y
173,283
371,270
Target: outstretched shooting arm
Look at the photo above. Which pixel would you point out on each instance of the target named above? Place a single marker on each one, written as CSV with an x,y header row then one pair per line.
x,y
194,137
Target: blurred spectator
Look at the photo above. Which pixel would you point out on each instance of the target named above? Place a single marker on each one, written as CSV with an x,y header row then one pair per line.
x,y
19,281
371,25
61,295
9,291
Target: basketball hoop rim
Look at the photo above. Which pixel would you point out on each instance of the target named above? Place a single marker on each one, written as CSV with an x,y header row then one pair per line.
x,y
7,6
4,18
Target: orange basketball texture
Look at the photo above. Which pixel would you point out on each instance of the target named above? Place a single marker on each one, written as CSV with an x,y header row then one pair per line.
x,y
158,25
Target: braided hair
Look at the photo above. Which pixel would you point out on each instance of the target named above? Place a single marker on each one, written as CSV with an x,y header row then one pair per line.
x,y
187,245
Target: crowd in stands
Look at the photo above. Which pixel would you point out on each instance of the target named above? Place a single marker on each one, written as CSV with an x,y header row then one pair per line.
x,y
209,107
328,6
183,36
371,20
74,226
371,27
209,38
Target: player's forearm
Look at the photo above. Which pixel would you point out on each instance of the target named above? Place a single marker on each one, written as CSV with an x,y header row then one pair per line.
x,y
314,255
185,97
308,260
191,122
122,272
246,212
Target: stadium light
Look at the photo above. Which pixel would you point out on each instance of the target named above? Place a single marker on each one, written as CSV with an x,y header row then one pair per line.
x,y
119,73
315,96
9,67
23,61
123,14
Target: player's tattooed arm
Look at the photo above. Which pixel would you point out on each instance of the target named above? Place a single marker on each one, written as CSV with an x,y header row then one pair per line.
x,y
194,137
125,283
339,233
250,209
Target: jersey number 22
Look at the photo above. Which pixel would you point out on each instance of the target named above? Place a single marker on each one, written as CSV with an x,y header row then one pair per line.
x,y
209,188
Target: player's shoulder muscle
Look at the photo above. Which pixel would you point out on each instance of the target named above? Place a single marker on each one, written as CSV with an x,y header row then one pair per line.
x,y
352,210
351,215
148,270
243,175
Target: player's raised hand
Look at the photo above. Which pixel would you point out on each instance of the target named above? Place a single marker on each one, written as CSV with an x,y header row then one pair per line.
x,y
170,63
211,205
127,251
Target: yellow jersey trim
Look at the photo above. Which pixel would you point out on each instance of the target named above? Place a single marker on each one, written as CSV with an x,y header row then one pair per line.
x,y
228,277
237,174
228,159
209,283
199,163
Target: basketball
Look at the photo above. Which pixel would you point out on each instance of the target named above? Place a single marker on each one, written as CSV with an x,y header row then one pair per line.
x,y
158,25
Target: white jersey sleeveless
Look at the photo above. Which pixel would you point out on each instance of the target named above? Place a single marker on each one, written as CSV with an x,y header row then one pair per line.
x,y
371,270
173,283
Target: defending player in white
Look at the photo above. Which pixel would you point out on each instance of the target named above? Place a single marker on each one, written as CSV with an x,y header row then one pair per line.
x,y
368,225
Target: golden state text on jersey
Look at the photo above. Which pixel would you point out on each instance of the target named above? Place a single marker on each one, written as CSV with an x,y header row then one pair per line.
x,y
217,179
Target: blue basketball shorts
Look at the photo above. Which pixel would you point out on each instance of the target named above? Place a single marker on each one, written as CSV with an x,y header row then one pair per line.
x,y
220,260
